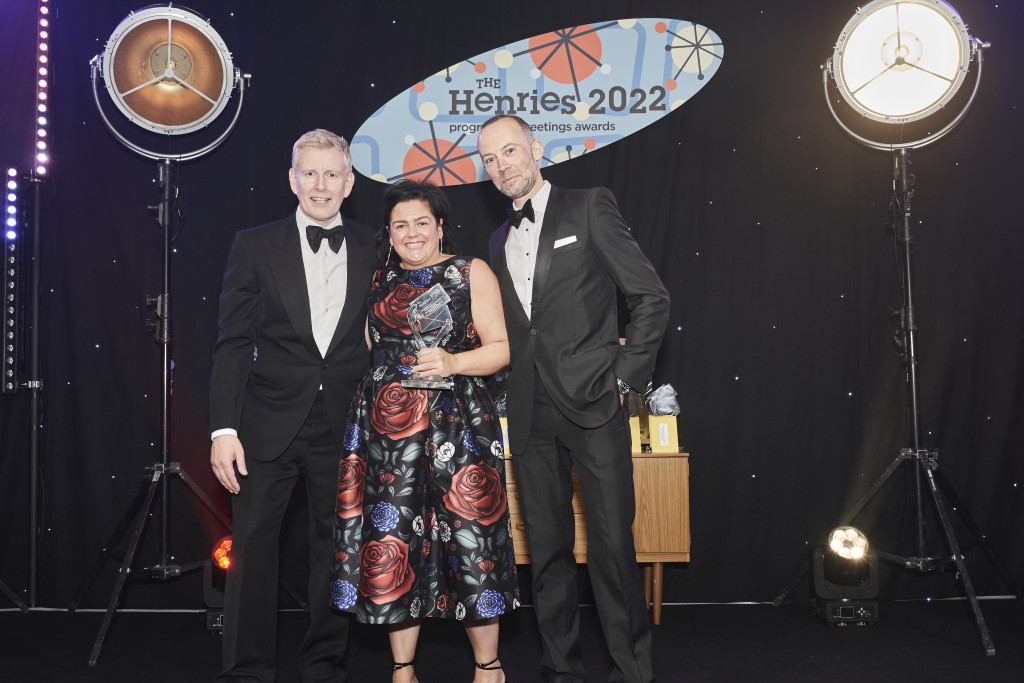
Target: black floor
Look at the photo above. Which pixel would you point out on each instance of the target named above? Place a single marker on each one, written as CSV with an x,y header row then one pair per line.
x,y
913,641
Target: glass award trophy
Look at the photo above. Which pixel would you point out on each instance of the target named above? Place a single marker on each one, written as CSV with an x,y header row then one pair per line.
x,y
429,313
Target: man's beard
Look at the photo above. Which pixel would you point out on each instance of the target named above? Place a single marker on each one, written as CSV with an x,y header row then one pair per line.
x,y
522,188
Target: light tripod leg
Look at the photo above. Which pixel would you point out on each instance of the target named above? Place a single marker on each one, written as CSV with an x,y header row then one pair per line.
x,y
979,536
805,567
958,558
200,494
126,567
852,513
5,589
110,548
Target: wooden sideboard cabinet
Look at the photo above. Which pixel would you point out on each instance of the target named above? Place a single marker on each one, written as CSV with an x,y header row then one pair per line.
x,y
661,529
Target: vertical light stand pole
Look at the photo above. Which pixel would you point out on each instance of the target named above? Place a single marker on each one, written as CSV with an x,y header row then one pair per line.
x,y
168,188
36,387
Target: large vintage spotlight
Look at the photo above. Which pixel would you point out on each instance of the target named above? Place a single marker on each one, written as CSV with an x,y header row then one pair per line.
x,y
900,61
168,71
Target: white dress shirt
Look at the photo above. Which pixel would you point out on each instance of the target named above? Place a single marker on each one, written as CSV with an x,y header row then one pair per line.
x,y
521,248
326,281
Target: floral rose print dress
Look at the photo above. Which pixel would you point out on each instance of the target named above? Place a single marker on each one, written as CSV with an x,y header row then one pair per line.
x,y
422,526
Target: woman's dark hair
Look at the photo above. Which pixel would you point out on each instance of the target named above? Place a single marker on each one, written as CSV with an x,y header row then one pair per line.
x,y
412,190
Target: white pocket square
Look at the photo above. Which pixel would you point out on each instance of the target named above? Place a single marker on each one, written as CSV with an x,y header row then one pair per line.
x,y
564,241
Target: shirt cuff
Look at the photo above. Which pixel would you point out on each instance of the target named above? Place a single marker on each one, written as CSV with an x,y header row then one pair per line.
x,y
222,432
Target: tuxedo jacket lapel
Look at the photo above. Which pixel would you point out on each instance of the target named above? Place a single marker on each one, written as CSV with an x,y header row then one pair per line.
x,y
510,301
285,255
548,234
360,270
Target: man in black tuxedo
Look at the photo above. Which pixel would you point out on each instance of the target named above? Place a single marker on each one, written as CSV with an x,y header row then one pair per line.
x,y
290,350
559,261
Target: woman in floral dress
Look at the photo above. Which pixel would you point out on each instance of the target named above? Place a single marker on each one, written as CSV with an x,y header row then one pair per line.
x,y
422,526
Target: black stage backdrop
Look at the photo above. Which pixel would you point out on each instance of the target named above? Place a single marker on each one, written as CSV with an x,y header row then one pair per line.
x,y
765,221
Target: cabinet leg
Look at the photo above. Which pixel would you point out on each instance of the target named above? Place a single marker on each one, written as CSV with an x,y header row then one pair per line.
x,y
657,584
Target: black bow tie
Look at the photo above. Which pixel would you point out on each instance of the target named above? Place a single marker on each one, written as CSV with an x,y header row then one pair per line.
x,y
335,236
515,217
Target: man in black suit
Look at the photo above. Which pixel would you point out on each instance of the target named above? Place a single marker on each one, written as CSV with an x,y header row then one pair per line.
x,y
289,353
559,261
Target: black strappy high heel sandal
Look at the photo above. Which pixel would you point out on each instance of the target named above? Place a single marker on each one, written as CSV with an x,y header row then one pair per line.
x,y
488,667
402,665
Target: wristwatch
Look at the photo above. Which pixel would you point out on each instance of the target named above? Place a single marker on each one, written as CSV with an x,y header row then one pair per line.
x,y
623,387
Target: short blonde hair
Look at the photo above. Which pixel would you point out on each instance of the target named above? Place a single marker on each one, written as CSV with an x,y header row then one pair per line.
x,y
320,139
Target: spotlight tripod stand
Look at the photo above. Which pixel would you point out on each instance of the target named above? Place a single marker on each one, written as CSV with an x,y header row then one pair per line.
x,y
141,508
170,112
925,463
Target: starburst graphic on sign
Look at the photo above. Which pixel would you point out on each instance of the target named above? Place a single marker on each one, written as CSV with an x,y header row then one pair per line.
x,y
445,164
687,52
568,55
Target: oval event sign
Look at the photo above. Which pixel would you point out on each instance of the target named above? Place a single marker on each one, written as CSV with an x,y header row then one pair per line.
x,y
579,88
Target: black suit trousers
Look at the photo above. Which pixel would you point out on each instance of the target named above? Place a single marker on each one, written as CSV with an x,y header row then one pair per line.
x,y
251,592
603,462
